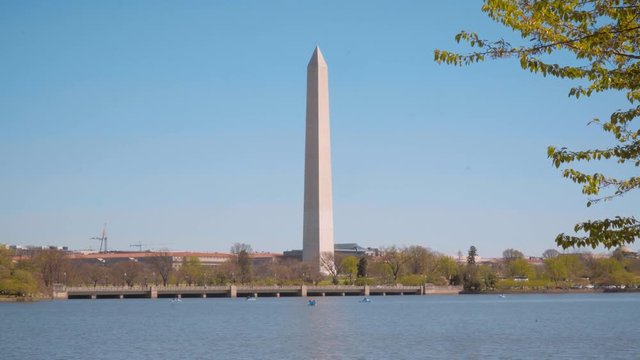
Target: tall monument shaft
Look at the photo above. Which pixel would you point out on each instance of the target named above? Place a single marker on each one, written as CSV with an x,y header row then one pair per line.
x,y
318,196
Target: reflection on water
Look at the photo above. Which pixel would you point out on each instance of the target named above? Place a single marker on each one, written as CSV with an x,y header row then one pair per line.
x,y
518,326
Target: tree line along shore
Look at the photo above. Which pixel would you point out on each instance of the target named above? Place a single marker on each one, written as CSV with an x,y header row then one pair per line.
x,y
32,277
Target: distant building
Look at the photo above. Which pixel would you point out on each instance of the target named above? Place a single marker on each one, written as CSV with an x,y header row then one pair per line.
x,y
338,249
536,261
28,250
177,257
292,255
265,258
478,260
355,250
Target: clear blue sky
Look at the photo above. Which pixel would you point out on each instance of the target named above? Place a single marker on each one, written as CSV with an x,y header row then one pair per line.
x,y
181,125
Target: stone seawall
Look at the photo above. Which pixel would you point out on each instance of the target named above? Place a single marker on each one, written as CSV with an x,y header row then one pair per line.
x,y
62,292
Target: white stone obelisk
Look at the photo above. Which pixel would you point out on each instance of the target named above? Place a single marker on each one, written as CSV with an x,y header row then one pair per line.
x,y
318,196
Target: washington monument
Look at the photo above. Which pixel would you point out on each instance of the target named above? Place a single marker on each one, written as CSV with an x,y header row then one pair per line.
x,y
317,237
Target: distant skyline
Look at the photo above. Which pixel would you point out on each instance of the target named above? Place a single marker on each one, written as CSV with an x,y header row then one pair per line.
x,y
181,125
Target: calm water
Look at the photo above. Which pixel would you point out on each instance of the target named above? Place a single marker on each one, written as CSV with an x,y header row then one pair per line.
x,y
401,327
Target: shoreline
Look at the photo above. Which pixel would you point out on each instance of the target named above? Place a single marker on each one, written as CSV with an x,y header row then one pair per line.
x,y
550,291
14,299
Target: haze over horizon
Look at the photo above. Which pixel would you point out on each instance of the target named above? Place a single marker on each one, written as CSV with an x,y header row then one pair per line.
x,y
182,127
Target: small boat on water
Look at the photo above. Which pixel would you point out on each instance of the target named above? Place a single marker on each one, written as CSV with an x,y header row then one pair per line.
x,y
251,298
176,300
365,300
502,296
311,303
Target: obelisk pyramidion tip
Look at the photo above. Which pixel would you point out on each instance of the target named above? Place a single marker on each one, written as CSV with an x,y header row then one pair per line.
x,y
317,58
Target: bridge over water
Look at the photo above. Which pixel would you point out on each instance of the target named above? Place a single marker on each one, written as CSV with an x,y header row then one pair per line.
x,y
154,292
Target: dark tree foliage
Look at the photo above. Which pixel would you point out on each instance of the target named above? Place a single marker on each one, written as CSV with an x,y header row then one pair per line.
x,y
362,267
244,263
242,254
471,280
471,257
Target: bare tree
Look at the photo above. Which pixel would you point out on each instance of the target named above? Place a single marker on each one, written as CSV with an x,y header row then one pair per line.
x,y
302,271
420,260
331,265
51,264
242,258
550,253
72,273
223,274
94,273
394,259
128,273
237,248
280,272
512,254
163,265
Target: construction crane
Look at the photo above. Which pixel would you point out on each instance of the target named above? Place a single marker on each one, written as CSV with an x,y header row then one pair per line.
x,y
102,239
139,246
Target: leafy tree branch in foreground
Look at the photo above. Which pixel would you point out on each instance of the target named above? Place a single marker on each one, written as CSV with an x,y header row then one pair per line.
x,y
603,36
